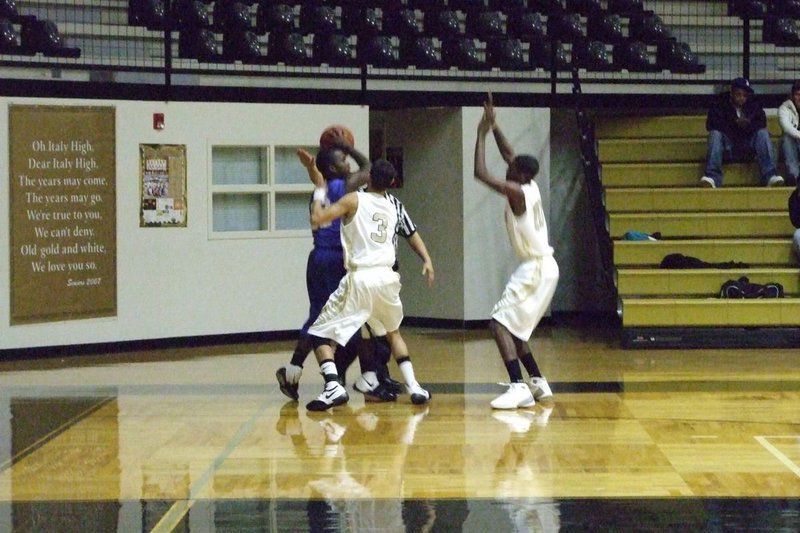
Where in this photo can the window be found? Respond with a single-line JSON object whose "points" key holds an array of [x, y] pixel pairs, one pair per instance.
{"points": [[258, 191]]}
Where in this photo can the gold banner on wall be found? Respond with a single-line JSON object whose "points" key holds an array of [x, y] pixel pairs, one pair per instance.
{"points": [[163, 185], [62, 199]]}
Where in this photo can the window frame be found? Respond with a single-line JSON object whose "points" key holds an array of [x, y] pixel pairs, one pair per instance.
{"points": [[267, 189]]}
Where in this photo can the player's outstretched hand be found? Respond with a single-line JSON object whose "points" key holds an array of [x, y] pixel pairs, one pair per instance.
{"points": [[307, 160]]}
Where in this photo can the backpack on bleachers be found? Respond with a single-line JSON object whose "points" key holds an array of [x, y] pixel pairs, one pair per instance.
{"points": [[742, 288]]}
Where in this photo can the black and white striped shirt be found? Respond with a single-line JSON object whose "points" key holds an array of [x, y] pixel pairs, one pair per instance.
{"points": [[405, 226]]}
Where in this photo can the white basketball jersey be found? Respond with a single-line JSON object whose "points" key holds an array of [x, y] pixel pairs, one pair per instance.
{"points": [[528, 232], [367, 238]]}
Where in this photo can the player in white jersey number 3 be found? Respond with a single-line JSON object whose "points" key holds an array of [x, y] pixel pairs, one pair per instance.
{"points": [[530, 289], [370, 290]]}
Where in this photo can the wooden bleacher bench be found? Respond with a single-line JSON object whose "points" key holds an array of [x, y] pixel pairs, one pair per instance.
{"points": [[650, 167]]}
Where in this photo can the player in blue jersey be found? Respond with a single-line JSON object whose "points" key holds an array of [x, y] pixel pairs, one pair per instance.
{"points": [[325, 267]]}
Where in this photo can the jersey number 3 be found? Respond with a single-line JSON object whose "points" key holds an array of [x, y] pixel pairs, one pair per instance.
{"points": [[381, 234]]}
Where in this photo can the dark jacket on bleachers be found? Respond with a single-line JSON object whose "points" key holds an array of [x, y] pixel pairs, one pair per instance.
{"points": [[722, 117]]}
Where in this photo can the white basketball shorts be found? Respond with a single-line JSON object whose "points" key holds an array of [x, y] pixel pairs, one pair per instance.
{"points": [[369, 294], [527, 295]]}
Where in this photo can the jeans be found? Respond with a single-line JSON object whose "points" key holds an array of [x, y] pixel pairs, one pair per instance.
{"points": [[790, 147], [721, 148]]}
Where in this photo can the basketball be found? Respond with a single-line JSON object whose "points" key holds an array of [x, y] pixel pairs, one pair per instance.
{"points": [[331, 133]]}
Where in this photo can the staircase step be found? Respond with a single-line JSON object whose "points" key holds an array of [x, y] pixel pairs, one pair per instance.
{"points": [[710, 312], [683, 126], [674, 174], [651, 150], [628, 200], [777, 252], [672, 225], [699, 282], [656, 126]]}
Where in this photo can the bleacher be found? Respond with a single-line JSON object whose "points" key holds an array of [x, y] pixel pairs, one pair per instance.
{"points": [[650, 172]]}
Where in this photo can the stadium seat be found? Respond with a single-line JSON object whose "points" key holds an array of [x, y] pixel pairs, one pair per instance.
{"points": [[588, 8], [648, 27], [442, 23], [485, 24], [566, 27], [150, 14], [401, 22], [781, 31], [462, 52], [678, 57], [190, 15], [334, 50], [785, 8], [231, 16], [377, 51], [275, 17], [625, 7], [42, 36], [605, 27], [10, 40], [592, 55], [753, 9], [420, 52], [362, 21], [505, 54], [549, 55], [317, 19], [241, 46], [200, 44], [634, 56], [526, 26], [287, 48]]}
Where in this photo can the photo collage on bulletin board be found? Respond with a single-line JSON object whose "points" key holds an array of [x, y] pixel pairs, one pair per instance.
{"points": [[163, 185]]}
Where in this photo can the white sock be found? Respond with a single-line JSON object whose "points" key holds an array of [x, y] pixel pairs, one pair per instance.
{"points": [[407, 369], [327, 368]]}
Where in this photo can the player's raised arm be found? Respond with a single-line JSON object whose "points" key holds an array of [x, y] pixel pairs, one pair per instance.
{"points": [[506, 150], [307, 160]]}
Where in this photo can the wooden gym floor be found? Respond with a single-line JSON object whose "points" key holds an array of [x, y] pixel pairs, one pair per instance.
{"points": [[201, 439]]}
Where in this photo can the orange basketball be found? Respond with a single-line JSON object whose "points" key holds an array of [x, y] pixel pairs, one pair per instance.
{"points": [[331, 133]]}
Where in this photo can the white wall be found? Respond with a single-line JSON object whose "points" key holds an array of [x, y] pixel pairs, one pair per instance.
{"points": [[176, 282], [432, 193]]}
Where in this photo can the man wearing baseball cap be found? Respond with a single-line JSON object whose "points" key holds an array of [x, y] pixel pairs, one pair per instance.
{"points": [[737, 131], [790, 140]]}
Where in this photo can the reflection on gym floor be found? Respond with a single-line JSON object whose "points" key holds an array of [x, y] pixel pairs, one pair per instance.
{"points": [[201, 439]]}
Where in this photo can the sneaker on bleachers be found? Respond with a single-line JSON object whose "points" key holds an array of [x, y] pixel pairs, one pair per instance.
{"points": [[708, 183], [517, 395], [540, 388], [775, 181], [332, 395]]}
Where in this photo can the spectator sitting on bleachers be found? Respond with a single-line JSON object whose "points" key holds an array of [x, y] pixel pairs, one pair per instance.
{"points": [[737, 130], [790, 140]]}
